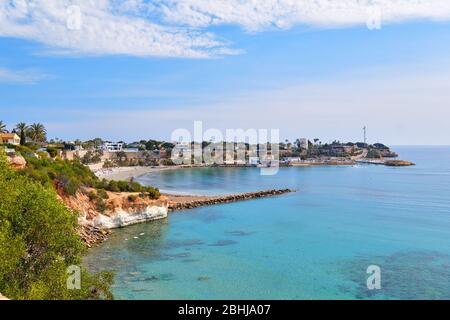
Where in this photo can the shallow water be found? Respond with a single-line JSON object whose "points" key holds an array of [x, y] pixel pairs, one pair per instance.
{"points": [[313, 244]]}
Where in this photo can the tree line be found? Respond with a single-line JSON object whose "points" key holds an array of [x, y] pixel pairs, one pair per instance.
{"points": [[36, 132]]}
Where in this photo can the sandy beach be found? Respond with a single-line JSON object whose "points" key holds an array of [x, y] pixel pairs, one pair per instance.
{"points": [[126, 173]]}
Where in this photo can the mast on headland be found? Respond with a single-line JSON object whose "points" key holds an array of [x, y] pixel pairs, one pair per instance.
{"points": [[365, 137]]}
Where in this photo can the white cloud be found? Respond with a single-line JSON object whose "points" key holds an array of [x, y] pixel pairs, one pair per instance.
{"points": [[177, 28], [257, 15], [102, 30], [21, 76]]}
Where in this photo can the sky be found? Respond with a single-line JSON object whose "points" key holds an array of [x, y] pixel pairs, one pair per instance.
{"points": [[137, 69]]}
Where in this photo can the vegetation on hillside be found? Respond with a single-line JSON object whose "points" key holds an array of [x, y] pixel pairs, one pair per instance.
{"points": [[73, 176], [39, 241], [36, 132]]}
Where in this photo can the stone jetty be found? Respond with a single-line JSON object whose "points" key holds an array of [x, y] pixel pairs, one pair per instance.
{"points": [[191, 202]]}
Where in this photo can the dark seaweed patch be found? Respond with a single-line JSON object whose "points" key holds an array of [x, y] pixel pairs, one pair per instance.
{"points": [[222, 243], [404, 275], [190, 260], [178, 255], [239, 233], [183, 243], [202, 278]]}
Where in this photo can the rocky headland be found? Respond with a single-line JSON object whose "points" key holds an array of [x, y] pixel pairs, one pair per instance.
{"points": [[398, 163]]}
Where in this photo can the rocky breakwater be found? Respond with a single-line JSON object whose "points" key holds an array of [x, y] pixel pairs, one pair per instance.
{"points": [[190, 202]]}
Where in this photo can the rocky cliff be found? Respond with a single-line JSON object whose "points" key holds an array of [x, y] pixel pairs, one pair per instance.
{"points": [[119, 209]]}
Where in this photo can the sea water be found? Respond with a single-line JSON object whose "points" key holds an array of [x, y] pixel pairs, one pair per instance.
{"points": [[316, 243]]}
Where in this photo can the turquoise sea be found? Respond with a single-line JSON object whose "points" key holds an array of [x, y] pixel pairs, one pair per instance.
{"points": [[315, 243]]}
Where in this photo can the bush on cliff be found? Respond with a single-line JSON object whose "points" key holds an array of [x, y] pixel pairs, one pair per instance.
{"points": [[153, 193], [66, 175], [53, 152], [70, 176], [38, 242], [126, 186]]}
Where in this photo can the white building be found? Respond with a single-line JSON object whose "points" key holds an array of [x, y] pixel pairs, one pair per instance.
{"points": [[9, 138], [112, 146], [304, 143], [293, 159]]}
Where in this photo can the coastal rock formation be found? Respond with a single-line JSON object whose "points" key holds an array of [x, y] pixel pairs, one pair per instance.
{"points": [[121, 218], [17, 162], [92, 235], [398, 163], [183, 202], [119, 209]]}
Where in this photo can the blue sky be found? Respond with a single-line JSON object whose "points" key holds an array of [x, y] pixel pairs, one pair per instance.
{"points": [[307, 79]]}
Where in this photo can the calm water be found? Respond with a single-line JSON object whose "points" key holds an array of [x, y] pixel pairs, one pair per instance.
{"points": [[313, 244]]}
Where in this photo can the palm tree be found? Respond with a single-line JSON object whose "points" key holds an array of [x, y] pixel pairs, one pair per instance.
{"points": [[2, 127], [22, 129], [37, 132]]}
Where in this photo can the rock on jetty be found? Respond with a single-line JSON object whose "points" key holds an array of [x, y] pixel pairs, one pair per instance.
{"points": [[92, 235], [193, 202]]}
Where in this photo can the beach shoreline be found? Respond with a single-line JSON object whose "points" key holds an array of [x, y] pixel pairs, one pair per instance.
{"points": [[128, 173]]}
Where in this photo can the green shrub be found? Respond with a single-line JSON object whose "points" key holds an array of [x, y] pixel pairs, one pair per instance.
{"points": [[113, 186], [123, 186], [102, 194], [167, 162], [101, 184], [132, 198], [39, 241], [24, 150], [108, 164], [91, 157], [72, 175], [153, 193], [92, 195], [53, 152], [70, 186], [37, 175], [135, 187], [101, 205], [43, 154]]}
